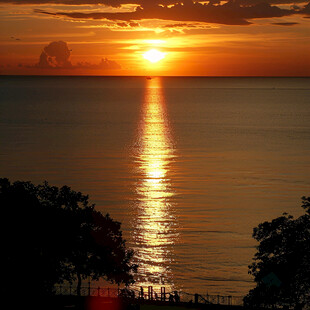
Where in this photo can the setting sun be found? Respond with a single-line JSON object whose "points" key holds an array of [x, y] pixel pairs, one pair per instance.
{"points": [[153, 55]]}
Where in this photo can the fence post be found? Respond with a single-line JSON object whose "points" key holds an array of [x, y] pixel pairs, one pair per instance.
{"points": [[163, 294], [150, 292], [88, 288], [141, 292], [196, 298], [98, 290], [218, 299]]}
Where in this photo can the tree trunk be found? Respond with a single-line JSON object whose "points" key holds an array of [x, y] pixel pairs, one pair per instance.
{"points": [[78, 287]]}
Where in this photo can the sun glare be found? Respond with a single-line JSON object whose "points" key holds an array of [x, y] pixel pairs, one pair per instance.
{"points": [[153, 55]]}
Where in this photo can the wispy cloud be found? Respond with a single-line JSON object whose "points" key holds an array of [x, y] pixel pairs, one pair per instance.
{"points": [[285, 24]]}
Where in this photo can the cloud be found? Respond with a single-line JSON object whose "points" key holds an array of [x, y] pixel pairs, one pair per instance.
{"points": [[105, 64], [112, 3], [229, 13], [128, 24], [232, 12], [182, 27], [122, 24], [143, 3], [285, 24], [306, 9], [134, 24], [56, 55], [254, 2], [179, 25]]}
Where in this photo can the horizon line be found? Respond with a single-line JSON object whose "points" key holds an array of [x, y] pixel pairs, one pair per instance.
{"points": [[156, 76]]}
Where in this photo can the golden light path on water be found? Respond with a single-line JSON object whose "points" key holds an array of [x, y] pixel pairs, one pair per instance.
{"points": [[155, 224]]}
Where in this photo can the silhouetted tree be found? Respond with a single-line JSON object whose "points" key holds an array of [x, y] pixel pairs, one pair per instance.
{"points": [[53, 234], [281, 266]]}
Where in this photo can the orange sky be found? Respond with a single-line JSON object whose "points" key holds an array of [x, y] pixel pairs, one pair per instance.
{"points": [[209, 38]]}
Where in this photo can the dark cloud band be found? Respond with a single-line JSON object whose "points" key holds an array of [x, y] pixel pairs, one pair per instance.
{"points": [[233, 12], [229, 13], [143, 3]]}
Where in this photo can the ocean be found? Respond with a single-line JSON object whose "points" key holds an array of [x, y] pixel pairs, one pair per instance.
{"points": [[188, 165]]}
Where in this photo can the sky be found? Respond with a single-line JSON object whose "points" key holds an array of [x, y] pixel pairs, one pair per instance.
{"points": [[196, 38]]}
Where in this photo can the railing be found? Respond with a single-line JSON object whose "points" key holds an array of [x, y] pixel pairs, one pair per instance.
{"points": [[212, 299], [151, 294], [87, 291]]}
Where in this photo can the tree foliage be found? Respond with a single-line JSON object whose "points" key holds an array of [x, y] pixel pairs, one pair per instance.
{"points": [[281, 266], [52, 234]]}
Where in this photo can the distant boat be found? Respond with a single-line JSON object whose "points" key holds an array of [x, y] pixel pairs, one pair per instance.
{"points": [[148, 78]]}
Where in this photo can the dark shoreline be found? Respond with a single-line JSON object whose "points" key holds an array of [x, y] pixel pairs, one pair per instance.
{"points": [[109, 303]]}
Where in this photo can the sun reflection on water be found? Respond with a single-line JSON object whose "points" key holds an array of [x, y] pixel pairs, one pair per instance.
{"points": [[155, 225]]}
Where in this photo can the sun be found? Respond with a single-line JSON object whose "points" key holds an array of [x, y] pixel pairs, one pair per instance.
{"points": [[153, 55]]}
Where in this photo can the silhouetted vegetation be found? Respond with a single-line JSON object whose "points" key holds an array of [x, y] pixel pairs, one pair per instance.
{"points": [[281, 266], [52, 234]]}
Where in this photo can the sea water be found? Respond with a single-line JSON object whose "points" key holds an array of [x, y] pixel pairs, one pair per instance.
{"points": [[188, 165]]}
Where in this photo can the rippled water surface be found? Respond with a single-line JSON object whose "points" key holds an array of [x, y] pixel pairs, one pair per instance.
{"points": [[188, 165]]}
